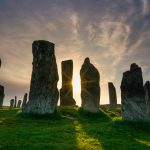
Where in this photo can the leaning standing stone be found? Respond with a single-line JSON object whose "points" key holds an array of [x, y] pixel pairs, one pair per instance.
{"points": [[43, 96], [12, 101], [147, 95], [133, 96], [1, 96], [25, 98], [66, 92], [112, 95], [90, 89]]}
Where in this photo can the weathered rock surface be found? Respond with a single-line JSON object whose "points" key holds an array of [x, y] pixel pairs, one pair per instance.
{"points": [[43, 96], [112, 94], [90, 89], [12, 101], [19, 103], [147, 95], [25, 98], [133, 96], [15, 102], [66, 92], [2, 95]]}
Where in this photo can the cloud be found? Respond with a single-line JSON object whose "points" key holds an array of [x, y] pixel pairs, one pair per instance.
{"points": [[112, 34]]}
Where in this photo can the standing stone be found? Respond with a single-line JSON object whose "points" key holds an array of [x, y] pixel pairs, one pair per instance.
{"points": [[43, 96], [133, 96], [12, 101], [66, 92], [147, 95], [1, 96], [25, 98], [15, 102], [112, 95], [19, 104], [90, 89]]}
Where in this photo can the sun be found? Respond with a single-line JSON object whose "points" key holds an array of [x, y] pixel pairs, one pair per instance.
{"points": [[76, 83]]}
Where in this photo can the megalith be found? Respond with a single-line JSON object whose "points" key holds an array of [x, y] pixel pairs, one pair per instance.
{"points": [[66, 92], [133, 96], [43, 95], [12, 101], [15, 102], [90, 89], [25, 98], [147, 95], [19, 103], [2, 95], [112, 95]]}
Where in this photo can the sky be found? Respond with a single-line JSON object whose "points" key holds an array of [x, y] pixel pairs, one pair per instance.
{"points": [[112, 33]]}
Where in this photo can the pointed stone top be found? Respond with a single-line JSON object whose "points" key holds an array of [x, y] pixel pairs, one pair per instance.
{"points": [[147, 84], [87, 60], [134, 66], [26, 94]]}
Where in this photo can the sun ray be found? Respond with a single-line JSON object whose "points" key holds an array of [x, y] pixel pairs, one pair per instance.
{"points": [[76, 84]]}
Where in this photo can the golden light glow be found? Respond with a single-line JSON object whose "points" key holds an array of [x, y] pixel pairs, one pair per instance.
{"points": [[76, 83]]}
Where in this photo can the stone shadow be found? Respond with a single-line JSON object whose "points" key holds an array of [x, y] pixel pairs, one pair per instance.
{"points": [[35, 132], [117, 135]]}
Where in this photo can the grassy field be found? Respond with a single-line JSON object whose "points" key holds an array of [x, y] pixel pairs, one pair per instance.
{"points": [[71, 129]]}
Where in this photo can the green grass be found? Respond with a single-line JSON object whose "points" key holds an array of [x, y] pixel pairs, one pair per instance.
{"points": [[71, 129]]}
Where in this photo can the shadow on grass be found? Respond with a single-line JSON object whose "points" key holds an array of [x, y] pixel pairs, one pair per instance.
{"points": [[40, 132], [117, 134], [87, 131]]}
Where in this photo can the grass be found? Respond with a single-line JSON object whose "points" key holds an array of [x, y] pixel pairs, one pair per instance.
{"points": [[71, 129]]}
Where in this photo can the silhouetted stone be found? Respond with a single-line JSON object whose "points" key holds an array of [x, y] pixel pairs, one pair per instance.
{"points": [[132, 95], [112, 94], [25, 98], [90, 89], [66, 92], [19, 104], [147, 95], [1, 96], [12, 101], [43, 96], [15, 102]]}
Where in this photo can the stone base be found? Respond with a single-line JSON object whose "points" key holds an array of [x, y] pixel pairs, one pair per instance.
{"points": [[41, 107], [134, 109]]}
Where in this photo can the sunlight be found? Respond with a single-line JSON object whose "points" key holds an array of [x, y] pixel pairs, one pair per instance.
{"points": [[85, 140], [76, 83]]}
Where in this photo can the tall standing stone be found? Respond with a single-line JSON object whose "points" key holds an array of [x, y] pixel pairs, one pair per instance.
{"points": [[12, 101], [112, 94], [132, 95], [19, 103], [25, 98], [90, 89], [66, 92], [15, 102], [147, 95], [43, 96], [1, 96]]}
